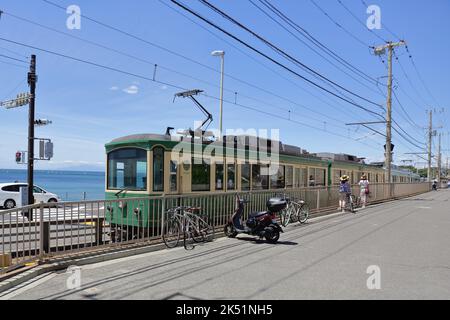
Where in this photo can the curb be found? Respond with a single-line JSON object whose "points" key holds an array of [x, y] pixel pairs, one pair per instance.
{"points": [[64, 264]]}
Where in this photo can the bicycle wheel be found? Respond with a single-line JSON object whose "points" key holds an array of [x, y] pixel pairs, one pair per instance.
{"points": [[188, 238], [285, 217], [352, 204], [202, 231], [303, 213], [171, 233]]}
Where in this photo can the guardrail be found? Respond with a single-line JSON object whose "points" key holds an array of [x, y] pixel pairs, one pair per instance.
{"points": [[70, 228]]}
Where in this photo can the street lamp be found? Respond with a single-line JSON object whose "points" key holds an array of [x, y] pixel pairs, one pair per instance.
{"points": [[221, 54]]}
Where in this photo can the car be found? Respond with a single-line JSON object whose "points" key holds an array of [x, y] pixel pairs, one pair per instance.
{"points": [[10, 195]]}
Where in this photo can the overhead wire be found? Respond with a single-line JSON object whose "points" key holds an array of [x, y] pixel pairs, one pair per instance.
{"points": [[316, 43], [128, 73], [280, 51], [273, 60], [169, 69]]}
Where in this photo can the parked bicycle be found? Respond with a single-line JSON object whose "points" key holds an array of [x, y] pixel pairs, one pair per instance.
{"points": [[186, 221], [296, 211]]}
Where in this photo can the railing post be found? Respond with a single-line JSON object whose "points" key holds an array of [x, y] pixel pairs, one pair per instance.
{"points": [[318, 200], [41, 229], [99, 231], [44, 230], [163, 209]]}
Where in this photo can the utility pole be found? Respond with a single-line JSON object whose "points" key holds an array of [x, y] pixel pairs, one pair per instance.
{"points": [[446, 171], [430, 137], [388, 155], [439, 160], [32, 79]]}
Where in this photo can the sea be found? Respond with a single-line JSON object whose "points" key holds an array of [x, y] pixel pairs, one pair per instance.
{"points": [[69, 185]]}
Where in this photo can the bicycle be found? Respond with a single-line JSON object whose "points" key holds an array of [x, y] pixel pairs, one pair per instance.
{"points": [[187, 221], [296, 211], [353, 202]]}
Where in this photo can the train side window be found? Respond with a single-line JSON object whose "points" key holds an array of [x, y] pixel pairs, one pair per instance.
{"points": [[173, 176], [158, 169], [219, 176], [289, 177], [231, 176], [245, 176], [260, 180], [201, 175], [297, 178], [277, 181], [304, 179], [320, 177]]}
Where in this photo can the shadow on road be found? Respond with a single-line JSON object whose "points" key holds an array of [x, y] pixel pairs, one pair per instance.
{"points": [[260, 241]]}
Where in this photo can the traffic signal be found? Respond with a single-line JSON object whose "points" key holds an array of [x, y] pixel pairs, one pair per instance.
{"points": [[18, 157], [392, 147], [48, 150], [22, 99]]}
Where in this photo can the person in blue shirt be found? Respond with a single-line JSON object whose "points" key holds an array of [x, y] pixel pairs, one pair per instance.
{"points": [[344, 192]]}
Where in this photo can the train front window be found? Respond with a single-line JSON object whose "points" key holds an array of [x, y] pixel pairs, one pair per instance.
{"points": [[127, 169]]}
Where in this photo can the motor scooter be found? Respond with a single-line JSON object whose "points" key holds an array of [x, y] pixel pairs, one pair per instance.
{"points": [[261, 224]]}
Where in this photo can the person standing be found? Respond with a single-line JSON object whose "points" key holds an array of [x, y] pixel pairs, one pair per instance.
{"points": [[364, 190], [344, 192]]}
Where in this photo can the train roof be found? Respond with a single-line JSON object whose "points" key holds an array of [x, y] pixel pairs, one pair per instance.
{"points": [[242, 141]]}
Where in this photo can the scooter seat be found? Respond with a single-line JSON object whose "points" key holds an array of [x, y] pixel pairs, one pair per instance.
{"points": [[257, 214]]}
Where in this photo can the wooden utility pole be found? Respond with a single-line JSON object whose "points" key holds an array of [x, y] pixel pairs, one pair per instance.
{"points": [[32, 79], [430, 138], [439, 160], [388, 152]]}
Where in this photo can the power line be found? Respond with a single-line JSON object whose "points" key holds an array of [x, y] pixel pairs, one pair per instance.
{"points": [[409, 119], [14, 52], [366, 45], [163, 67], [109, 68], [304, 33], [13, 64], [407, 134], [408, 79], [420, 76], [359, 21], [192, 60], [384, 24], [273, 60], [12, 58], [279, 51]]}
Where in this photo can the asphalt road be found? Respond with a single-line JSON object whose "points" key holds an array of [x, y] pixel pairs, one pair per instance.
{"points": [[408, 240]]}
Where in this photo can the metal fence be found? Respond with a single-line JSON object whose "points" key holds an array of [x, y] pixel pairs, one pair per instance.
{"points": [[43, 231]]}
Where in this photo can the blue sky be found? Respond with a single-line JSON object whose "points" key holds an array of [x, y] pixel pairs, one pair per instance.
{"points": [[91, 106]]}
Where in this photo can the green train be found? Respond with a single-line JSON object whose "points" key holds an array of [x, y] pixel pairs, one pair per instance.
{"points": [[149, 165]]}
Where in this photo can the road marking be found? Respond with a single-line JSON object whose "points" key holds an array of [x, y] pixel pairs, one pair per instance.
{"points": [[22, 288], [424, 208]]}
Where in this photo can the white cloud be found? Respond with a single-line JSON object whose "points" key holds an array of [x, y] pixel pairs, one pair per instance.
{"points": [[114, 88], [164, 87], [133, 89]]}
